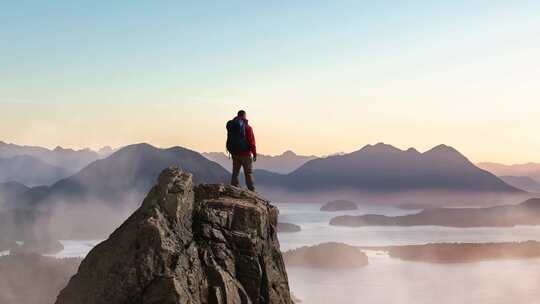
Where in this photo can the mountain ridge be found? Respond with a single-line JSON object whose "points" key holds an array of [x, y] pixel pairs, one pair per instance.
{"points": [[70, 159], [384, 167], [30, 171], [282, 163], [522, 182], [91, 202], [131, 168], [529, 169]]}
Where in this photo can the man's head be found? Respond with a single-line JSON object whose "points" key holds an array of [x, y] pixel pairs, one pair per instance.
{"points": [[242, 114]]}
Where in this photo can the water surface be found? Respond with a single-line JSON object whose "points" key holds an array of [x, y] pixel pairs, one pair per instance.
{"points": [[392, 281]]}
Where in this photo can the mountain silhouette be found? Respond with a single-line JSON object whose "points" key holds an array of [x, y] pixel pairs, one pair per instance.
{"points": [[382, 167], [30, 171], [522, 182], [531, 170], [72, 160], [284, 163], [129, 171]]}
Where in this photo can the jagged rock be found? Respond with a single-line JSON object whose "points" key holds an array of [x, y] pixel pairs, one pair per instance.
{"points": [[210, 244]]}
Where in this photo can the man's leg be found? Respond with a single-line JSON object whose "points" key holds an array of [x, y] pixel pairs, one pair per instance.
{"points": [[247, 164], [236, 164]]}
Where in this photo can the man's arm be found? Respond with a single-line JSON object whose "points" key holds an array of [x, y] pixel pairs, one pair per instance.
{"points": [[251, 141]]}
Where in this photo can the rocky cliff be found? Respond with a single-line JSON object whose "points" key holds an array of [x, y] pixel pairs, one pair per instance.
{"points": [[187, 244]]}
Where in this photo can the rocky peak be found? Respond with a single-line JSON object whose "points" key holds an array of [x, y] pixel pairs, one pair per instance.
{"points": [[380, 148], [446, 153], [288, 153], [210, 243]]}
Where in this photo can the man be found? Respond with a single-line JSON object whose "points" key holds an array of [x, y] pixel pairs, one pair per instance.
{"points": [[241, 145]]}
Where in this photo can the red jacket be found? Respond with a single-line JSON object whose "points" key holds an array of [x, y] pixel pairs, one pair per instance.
{"points": [[250, 138]]}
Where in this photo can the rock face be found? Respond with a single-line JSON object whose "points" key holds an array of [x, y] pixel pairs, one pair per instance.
{"points": [[211, 244]]}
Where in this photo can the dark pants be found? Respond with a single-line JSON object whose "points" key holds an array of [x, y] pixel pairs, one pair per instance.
{"points": [[242, 162]]}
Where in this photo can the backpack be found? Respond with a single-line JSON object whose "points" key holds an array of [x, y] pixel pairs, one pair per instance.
{"points": [[236, 137]]}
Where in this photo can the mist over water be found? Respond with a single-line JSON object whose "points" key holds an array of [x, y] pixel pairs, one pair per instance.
{"points": [[316, 229], [67, 219], [391, 281], [159, 81], [76, 248], [387, 280]]}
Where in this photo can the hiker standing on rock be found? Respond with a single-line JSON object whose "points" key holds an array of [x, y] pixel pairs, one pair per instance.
{"points": [[241, 145]]}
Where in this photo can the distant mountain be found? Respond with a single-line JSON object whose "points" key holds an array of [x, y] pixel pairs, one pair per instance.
{"points": [[128, 172], [283, 163], [531, 170], [91, 203], [106, 151], [385, 168], [522, 182], [72, 160], [30, 171]]}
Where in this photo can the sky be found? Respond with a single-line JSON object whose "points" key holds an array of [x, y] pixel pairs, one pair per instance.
{"points": [[315, 77]]}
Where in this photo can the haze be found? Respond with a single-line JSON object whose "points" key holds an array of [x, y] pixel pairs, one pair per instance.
{"points": [[338, 75]]}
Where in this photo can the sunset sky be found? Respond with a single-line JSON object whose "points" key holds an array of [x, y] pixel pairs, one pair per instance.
{"points": [[316, 77]]}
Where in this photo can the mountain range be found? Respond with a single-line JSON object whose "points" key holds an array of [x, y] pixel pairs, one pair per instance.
{"points": [[70, 159], [30, 171], [284, 163], [376, 168], [531, 170], [129, 171], [90, 203], [384, 168], [522, 182], [115, 182]]}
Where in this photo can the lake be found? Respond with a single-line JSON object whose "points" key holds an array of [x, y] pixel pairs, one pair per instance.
{"points": [[389, 281], [315, 229]]}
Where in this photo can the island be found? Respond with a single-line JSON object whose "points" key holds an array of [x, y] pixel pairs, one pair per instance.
{"points": [[326, 255], [462, 252], [526, 213], [339, 205], [288, 228]]}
